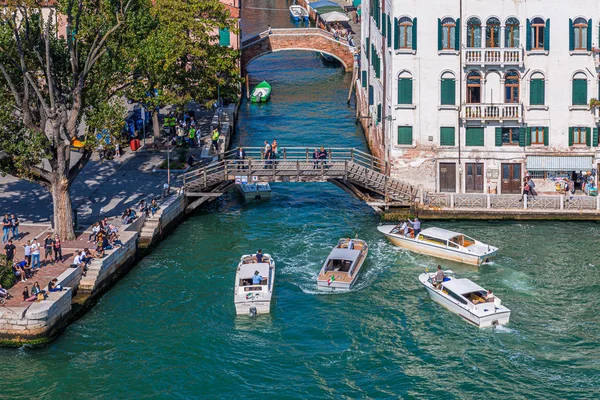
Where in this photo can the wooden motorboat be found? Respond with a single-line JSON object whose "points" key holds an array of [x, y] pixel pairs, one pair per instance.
{"points": [[255, 191], [261, 93], [467, 299], [343, 264], [298, 13], [249, 298], [442, 243]]}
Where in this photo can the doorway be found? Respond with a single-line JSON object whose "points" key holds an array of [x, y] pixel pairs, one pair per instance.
{"points": [[511, 179], [447, 177], [474, 178]]}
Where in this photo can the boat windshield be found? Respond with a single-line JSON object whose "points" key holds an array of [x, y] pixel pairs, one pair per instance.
{"points": [[432, 240], [338, 265]]}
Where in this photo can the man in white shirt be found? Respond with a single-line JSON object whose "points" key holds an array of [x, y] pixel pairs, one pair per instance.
{"points": [[35, 255], [27, 250]]}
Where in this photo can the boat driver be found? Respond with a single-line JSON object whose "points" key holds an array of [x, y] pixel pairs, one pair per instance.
{"points": [[439, 276], [257, 278]]}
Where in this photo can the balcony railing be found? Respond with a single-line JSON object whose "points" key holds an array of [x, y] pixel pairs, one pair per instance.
{"points": [[493, 112], [497, 56]]}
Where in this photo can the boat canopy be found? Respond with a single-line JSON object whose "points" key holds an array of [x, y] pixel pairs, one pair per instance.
{"points": [[462, 286], [335, 16], [440, 233], [344, 254], [247, 270]]}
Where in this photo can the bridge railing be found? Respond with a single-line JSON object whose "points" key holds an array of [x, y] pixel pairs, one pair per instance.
{"points": [[292, 32]]}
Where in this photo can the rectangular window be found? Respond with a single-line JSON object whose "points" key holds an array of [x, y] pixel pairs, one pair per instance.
{"points": [[405, 91], [538, 135], [371, 95], [405, 135], [537, 94], [379, 112], [578, 135], [474, 136], [580, 92], [448, 35], [447, 137], [224, 37], [448, 91], [510, 136], [364, 79]]}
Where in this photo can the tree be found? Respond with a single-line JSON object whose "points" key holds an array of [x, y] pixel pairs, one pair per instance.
{"points": [[176, 58]]}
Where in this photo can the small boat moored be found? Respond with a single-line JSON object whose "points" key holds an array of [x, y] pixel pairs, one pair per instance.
{"points": [[251, 298], [467, 299], [343, 264], [255, 191], [442, 243], [298, 13], [261, 93]]}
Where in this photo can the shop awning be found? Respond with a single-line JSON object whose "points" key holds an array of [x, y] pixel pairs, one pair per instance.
{"points": [[559, 163]]}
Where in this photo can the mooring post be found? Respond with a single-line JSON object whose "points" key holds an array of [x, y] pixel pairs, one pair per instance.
{"points": [[247, 86]]}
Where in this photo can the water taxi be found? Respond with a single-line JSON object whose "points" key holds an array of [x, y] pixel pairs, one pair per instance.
{"points": [[261, 93], [298, 13], [467, 299], [442, 243], [343, 264], [252, 298], [255, 191]]}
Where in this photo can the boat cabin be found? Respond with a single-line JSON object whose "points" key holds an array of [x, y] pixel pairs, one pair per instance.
{"points": [[445, 238], [246, 272], [342, 260], [465, 292]]}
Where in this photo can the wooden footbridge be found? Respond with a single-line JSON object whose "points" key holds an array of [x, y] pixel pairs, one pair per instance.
{"points": [[360, 174]]}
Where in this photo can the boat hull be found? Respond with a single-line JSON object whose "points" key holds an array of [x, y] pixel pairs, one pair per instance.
{"points": [[438, 251], [262, 307]]}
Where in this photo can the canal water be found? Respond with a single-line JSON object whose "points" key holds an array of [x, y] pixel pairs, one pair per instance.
{"points": [[169, 330]]}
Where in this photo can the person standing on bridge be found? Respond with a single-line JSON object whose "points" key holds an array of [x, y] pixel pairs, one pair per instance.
{"points": [[315, 158]]}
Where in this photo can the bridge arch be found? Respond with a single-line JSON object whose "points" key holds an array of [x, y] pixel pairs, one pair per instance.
{"points": [[303, 39]]}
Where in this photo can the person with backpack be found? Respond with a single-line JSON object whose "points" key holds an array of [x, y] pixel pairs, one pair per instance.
{"points": [[531, 184]]}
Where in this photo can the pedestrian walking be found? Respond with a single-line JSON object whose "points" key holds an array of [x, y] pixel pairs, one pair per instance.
{"points": [[531, 184], [6, 226], [117, 150], [274, 150], [15, 227], [571, 188]]}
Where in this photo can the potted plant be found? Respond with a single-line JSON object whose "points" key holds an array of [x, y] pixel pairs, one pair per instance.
{"points": [[594, 102]]}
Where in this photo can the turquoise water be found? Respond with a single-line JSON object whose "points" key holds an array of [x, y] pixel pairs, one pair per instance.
{"points": [[169, 330]]}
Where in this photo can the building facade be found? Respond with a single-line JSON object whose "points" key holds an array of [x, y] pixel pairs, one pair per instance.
{"points": [[469, 96]]}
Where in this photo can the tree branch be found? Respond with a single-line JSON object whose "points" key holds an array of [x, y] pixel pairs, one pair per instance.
{"points": [[76, 169]]}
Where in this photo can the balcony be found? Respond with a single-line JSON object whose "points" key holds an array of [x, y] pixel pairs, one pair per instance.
{"points": [[596, 54], [493, 112], [497, 57]]}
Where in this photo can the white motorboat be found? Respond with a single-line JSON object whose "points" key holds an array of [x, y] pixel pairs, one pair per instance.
{"points": [[252, 298], [467, 299], [298, 13], [255, 191], [343, 264], [442, 243]]}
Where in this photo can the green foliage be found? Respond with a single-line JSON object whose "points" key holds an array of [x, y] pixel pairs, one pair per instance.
{"points": [[7, 277]]}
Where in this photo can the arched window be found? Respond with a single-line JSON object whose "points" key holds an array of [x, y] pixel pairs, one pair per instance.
{"points": [[511, 33], [406, 33], [537, 89], [511, 87], [405, 88], [538, 30], [448, 89], [580, 89], [474, 32], [448, 34], [492, 32], [580, 28], [474, 87]]}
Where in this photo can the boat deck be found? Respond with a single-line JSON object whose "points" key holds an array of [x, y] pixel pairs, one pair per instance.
{"points": [[338, 275]]}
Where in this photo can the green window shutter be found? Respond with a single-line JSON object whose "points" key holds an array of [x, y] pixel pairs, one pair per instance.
{"points": [[457, 35], [475, 137], [447, 136], [405, 135], [367, 46], [396, 34], [405, 91], [589, 35], [523, 137], [364, 79], [371, 95], [414, 34], [588, 137], [448, 91], [547, 36], [499, 137], [383, 25], [440, 33], [579, 92], [571, 35], [528, 136], [390, 29], [537, 93], [595, 137], [224, 37], [528, 37], [570, 136], [546, 136]]}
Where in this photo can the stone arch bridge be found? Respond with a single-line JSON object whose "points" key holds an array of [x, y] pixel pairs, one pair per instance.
{"points": [[309, 39]]}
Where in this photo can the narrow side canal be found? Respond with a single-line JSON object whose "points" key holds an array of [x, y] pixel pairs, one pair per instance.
{"points": [[169, 329]]}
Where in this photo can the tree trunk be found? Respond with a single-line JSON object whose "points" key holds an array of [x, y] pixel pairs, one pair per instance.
{"points": [[155, 125], [63, 214]]}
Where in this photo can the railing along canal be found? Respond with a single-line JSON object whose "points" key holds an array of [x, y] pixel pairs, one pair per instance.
{"points": [[455, 201]]}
